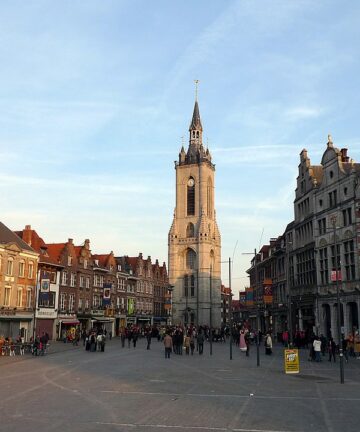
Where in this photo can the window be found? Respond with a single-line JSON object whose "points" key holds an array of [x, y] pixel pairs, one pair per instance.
{"points": [[87, 283], [190, 259], [80, 303], [19, 297], [70, 260], [64, 278], [10, 266], [29, 298], [7, 296], [322, 226], [186, 286], [324, 269], [47, 300], [62, 301], [85, 263], [31, 270], [71, 302], [192, 285], [81, 281], [191, 197], [209, 198], [347, 216], [87, 304], [72, 279], [53, 277], [349, 260], [337, 265], [332, 198], [190, 230], [21, 269]]}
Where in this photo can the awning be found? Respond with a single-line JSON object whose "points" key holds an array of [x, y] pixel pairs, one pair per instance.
{"points": [[69, 322], [102, 320]]}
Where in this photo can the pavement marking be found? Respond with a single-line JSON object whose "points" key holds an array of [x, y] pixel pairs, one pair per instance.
{"points": [[157, 381], [183, 427], [212, 395]]}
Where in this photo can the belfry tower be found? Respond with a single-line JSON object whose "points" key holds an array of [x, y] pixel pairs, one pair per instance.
{"points": [[194, 238]]}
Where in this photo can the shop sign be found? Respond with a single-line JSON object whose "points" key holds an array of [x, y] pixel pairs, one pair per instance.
{"points": [[291, 357]]}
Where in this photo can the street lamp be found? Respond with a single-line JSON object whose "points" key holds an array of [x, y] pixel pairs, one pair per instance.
{"points": [[289, 306], [341, 355]]}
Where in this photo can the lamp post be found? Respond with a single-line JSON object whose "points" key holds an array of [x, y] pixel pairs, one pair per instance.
{"points": [[230, 309], [338, 308], [288, 289]]}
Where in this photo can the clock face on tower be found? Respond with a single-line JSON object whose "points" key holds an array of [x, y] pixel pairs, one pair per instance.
{"points": [[191, 182]]}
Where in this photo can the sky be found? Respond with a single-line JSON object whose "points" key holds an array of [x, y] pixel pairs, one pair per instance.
{"points": [[96, 96]]}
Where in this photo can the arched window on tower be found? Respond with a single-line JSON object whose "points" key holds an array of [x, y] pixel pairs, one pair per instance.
{"points": [[190, 259], [212, 259], [209, 198], [191, 197], [190, 230]]}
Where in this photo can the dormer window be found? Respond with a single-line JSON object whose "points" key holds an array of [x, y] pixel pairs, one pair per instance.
{"points": [[69, 260]]}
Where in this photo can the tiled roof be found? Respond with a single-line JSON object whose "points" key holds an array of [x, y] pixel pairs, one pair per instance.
{"points": [[102, 258], [54, 250], [8, 236]]}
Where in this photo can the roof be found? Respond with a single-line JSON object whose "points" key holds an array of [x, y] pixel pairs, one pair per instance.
{"points": [[54, 250], [8, 236], [102, 258], [32, 238], [196, 121]]}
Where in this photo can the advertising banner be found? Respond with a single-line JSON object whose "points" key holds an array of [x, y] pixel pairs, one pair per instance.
{"points": [[107, 294], [291, 357], [268, 295], [249, 296], [130, 306], [45, 285]]}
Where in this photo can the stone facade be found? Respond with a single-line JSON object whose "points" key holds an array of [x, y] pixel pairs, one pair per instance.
{"points": [[194, 240], [18, 271]]}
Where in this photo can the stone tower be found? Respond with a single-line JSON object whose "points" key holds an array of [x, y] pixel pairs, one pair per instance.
{"points": [[194, 238]]}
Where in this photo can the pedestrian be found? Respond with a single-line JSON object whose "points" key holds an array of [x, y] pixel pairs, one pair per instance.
{"points": [[148, 339], [99, 341], [122, 337], [317, 349], [200, 341], [192, 343], [332, 349], [247, 342], [323, 341], [357, 345], [187, 344], [168, 344], [92, 342], [129, 337], [268, 344], [102, 342], [345, 348], [110, 335], [134, 338]]}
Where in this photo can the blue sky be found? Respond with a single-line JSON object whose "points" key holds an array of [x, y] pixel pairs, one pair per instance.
{"points": [[95, 97]]}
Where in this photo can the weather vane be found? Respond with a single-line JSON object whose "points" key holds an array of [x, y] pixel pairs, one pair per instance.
{"points": [[196, 88]]}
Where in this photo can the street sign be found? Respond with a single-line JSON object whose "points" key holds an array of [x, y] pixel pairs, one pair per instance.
{"points": [[291, 357]]}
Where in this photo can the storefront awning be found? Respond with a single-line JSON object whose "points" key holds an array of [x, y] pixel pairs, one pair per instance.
{"points": [[70, 322], [102, 320]]}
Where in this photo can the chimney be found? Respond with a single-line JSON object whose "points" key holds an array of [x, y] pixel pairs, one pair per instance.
{"points": [[87, 244], [344, 156], [149, 258], [140, 255], [27, 234], [70, 241]]}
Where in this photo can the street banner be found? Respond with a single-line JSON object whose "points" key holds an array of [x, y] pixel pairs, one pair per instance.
{"points": [[291, 357], [107, 292], [335, 275], [249, 296], [268, 294], [130, 306]]}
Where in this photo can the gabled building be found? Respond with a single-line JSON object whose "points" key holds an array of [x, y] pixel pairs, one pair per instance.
{"points": [[18, 270], [47, 286]]}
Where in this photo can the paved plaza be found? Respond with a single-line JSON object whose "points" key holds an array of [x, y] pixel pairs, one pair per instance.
{"points": [[138, 390]]}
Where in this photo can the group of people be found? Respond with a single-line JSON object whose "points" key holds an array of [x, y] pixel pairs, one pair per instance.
{"points": [[94, 340], [321, 345]]}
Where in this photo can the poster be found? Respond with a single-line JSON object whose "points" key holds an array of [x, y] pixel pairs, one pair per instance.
{"points": [[291, 357]]}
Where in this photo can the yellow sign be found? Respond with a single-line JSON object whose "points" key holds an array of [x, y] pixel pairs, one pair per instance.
{"points": [[292, 365]]}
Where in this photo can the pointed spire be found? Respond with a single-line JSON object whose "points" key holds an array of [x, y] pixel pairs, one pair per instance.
{"points": [[196, 122]]}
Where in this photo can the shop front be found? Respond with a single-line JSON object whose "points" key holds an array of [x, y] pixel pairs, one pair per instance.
{"points": [[143, 320], [102, 324], [68, 327], [120, 322], [45, 322], [85, 322], [13, 325]]}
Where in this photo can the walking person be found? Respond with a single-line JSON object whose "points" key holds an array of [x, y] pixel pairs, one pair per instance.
{"points": [[148, 339], [247, 342], [168, 344], [332, 349], [129, 336], [122, 337], [192, 343], [134, 338], [357, 345], [187, 344], [200, 341], [268, 344], [317, 349]]}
